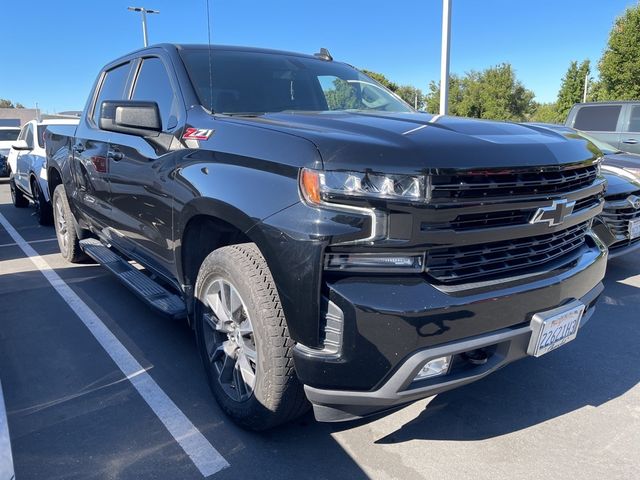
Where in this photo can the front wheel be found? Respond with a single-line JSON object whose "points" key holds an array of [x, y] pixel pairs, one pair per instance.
{"points": [[17, 197], [64, 224], [44, 212], [244, 341]]}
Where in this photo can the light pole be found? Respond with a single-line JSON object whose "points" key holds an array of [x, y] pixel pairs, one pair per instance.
{"points": [[144, 12], [444, 58]]}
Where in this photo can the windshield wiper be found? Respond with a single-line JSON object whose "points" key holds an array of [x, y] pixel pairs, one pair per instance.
{"points": [[242, 114]]}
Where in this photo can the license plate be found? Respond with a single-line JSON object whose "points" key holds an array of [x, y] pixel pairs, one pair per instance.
{"points": [[634, 228], [554, 328]]}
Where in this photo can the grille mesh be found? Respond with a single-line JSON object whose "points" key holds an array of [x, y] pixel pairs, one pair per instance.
{"points": [[474, 262]]}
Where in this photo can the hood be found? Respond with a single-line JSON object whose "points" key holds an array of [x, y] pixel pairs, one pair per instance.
{"points": [[619, 182], [415, 142], [622, 160]]}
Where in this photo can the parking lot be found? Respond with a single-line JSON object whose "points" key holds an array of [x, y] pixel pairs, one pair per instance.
{"points": [[74, 412]]}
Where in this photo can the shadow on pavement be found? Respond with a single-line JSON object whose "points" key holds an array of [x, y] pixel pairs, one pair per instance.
{"points": [[600, 365]]}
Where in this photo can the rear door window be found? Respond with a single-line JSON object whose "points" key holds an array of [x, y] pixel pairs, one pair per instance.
{"points": [[598, 118], [112, 88], [634, 119]]}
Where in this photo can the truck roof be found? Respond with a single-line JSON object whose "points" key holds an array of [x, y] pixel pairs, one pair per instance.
{"points": [[203, 46]]}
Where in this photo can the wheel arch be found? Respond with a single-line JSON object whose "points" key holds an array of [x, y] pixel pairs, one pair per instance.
{"points": [[54, 178], [204, 226]]}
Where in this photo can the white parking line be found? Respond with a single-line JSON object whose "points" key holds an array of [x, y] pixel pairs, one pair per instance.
{"points": [[6, 459], [204, 456], [32, 241]]}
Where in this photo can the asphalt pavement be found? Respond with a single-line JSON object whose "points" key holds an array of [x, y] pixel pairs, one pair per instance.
{"points": [[75, 411]]}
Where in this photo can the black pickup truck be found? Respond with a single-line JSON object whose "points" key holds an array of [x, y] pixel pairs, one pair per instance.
{"points": [[329, 245]]}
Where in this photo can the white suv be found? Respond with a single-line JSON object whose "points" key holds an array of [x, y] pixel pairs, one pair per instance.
{"points": [[28, 169], [8, 136]]}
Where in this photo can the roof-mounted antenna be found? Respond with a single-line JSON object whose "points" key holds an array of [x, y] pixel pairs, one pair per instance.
{"points": [[210, 60], [324, 55]]}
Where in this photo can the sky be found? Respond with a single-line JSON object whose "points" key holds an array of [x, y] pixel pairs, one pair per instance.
{"points": [[52, 50]]}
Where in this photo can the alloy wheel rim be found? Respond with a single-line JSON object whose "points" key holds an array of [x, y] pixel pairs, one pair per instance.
{"points": [[229, 340], [61, 226]]}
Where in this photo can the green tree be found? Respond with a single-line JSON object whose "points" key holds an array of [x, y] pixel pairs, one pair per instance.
{"points": [[4, 103], [493, 93], [342, 96], [620, 63], [572, 87], [381, 79], [407, 93], [546, 113], [412, 95]]}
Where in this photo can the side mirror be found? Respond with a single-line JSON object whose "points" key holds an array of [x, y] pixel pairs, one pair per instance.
{"points": [[21, 145], [131, 116]]}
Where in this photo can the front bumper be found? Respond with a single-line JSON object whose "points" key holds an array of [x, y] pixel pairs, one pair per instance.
{"points": [[506, 346], [391, 326]]}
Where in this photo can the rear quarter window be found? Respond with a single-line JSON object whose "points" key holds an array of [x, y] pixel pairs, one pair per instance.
{"points": [[598, 118]]}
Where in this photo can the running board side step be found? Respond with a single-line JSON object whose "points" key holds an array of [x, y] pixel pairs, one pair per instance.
{"points": [[149, 291]]}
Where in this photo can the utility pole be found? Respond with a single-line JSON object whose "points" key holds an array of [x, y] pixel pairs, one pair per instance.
{"points": [[586, 88], [444, 58], [144, 11]]}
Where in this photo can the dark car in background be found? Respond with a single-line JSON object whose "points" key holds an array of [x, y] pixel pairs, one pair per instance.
{"points": [[618, 226]]}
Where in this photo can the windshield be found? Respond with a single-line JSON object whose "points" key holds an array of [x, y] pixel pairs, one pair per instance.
{"points": [[604, 147], [9, 134], [255, 83]]}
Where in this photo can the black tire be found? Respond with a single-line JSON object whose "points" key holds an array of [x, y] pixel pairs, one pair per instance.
{"points": [[277, 396], [44, 212], [64, 224], [17, 197]]}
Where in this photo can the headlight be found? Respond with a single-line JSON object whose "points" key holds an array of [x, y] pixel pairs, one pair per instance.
{"points": [[318, 186]]}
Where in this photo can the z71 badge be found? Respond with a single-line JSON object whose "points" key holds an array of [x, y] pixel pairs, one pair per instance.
{"points": [[197, 134]]}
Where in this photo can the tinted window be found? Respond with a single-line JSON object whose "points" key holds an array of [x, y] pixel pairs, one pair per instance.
{"points": [[112, 87], [7, 135], [153, 85], [634, 119], [29, 136], [256, 82], [598, 118]]}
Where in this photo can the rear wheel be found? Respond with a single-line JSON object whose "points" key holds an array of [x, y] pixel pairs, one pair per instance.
{"points": [[17, 197], [44, 212], [244, 341], [64, 224]]}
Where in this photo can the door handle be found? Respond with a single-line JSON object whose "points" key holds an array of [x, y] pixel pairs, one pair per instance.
{"points": [[115, 155], [630, 141]]}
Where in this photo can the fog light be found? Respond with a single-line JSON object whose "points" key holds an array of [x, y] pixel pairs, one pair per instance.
{"points": [[434, 368]]}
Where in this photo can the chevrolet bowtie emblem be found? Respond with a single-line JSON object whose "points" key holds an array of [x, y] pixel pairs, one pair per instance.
{"points": [[554, 214], [634, 201]]}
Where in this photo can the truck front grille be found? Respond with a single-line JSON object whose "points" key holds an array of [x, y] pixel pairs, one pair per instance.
{"points": [[510, 257], [617, 215], [506, 184]]}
